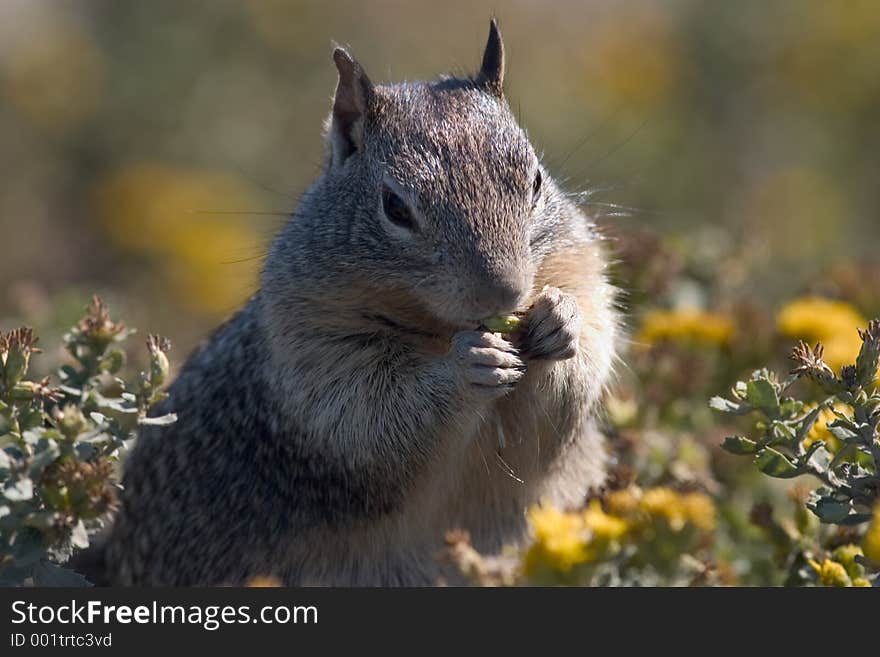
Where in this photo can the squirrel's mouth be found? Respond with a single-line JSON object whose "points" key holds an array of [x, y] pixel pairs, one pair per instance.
{"points": [[406, 326]]}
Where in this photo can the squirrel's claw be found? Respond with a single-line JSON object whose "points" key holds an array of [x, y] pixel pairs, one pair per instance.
{"points": [[485, 363], [553, 327]]}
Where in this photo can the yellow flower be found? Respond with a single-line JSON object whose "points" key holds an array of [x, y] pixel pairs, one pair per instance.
{"points": [[603, 527], [622, 502], [679, 509], [846, 556], [861, 582], [565, 540], [833, 323], [871, 540], [699, 510], [820, 430], [664, 503], [688, 325], [559, 539], [831, 573], [171, 214]]}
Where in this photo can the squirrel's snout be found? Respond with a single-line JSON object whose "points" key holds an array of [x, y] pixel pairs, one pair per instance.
{"points": [[499, 296]]}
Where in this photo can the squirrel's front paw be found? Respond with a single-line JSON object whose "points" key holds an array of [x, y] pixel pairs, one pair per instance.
{"points": [[486, 363], [552, 327]]}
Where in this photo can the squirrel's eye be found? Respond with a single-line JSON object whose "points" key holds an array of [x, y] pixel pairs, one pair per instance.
{"points": [[397, 210], [536, 186]]}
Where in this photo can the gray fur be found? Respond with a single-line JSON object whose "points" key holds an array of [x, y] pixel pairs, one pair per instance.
{"points": [[352, 412]]}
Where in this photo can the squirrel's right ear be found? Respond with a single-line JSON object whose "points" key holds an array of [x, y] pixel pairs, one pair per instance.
{"points": [[491, 75], [354, 92]]}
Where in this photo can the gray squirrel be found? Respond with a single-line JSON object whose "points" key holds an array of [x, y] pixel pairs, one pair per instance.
{"points": [[356, 409]]}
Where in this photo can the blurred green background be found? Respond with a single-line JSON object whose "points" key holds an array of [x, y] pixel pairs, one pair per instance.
{"points": [[149, 150]]}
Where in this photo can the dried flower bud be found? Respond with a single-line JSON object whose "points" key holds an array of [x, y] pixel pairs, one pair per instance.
{"points": [[84, 488], [18, 347], [97, 323], [113, 361], [159, 367], [70, 420], [94, 332], [849, 376], [869, 354], [811, 363]]}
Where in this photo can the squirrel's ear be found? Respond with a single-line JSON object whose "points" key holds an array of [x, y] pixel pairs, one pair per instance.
{"points": [[491, 75], [354, 92]]}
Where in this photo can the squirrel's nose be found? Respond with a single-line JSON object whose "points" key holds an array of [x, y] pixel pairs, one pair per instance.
{"points": [[500, 296]]}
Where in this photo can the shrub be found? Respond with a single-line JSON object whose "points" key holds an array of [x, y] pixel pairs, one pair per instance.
{"points": [[836, 441], [60, 442]]}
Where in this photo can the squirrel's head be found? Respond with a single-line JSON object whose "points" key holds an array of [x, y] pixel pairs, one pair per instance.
{"points": [[434, 190]]}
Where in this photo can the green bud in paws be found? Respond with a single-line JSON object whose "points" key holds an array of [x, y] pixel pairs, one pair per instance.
{"points": [[502, 324]]}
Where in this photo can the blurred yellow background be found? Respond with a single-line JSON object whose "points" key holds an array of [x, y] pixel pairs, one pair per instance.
{"points": [[149, 150]]}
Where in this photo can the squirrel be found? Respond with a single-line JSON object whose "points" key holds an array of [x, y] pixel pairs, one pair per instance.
{"points": [[356, 408]]}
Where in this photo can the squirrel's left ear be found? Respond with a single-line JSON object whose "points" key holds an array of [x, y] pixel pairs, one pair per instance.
{"points": [[354, 93], [491, 75]]}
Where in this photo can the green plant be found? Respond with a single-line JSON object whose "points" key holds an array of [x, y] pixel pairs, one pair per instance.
{"points": [[844, 460], [59, 443]]}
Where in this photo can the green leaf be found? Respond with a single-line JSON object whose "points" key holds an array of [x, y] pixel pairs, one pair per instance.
{"points": [[41, 520], [19, 491], [46, 573], [789, 407], [807, 423], [761, 394], [829, 510], [781, 433], [79, 537], [722, 404], [161, 421], [727, 406], [841, 432], [856, 519], [776, 464], [14, 575], [46, 451], [739, 445]]}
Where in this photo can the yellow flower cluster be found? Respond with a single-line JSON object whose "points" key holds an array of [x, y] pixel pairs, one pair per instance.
{"points": [[831, 573], [172, 214], [833, 323], [687, 325], [564, 540], [820, 430], [842, 569], [871, 540], [679, 509]]}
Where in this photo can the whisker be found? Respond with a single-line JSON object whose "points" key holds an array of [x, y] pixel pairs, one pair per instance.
{"points": [[617, 147], [253, 212], [264, 186], [259, 256], [483, 458], [506, 469], [592, 133]]}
